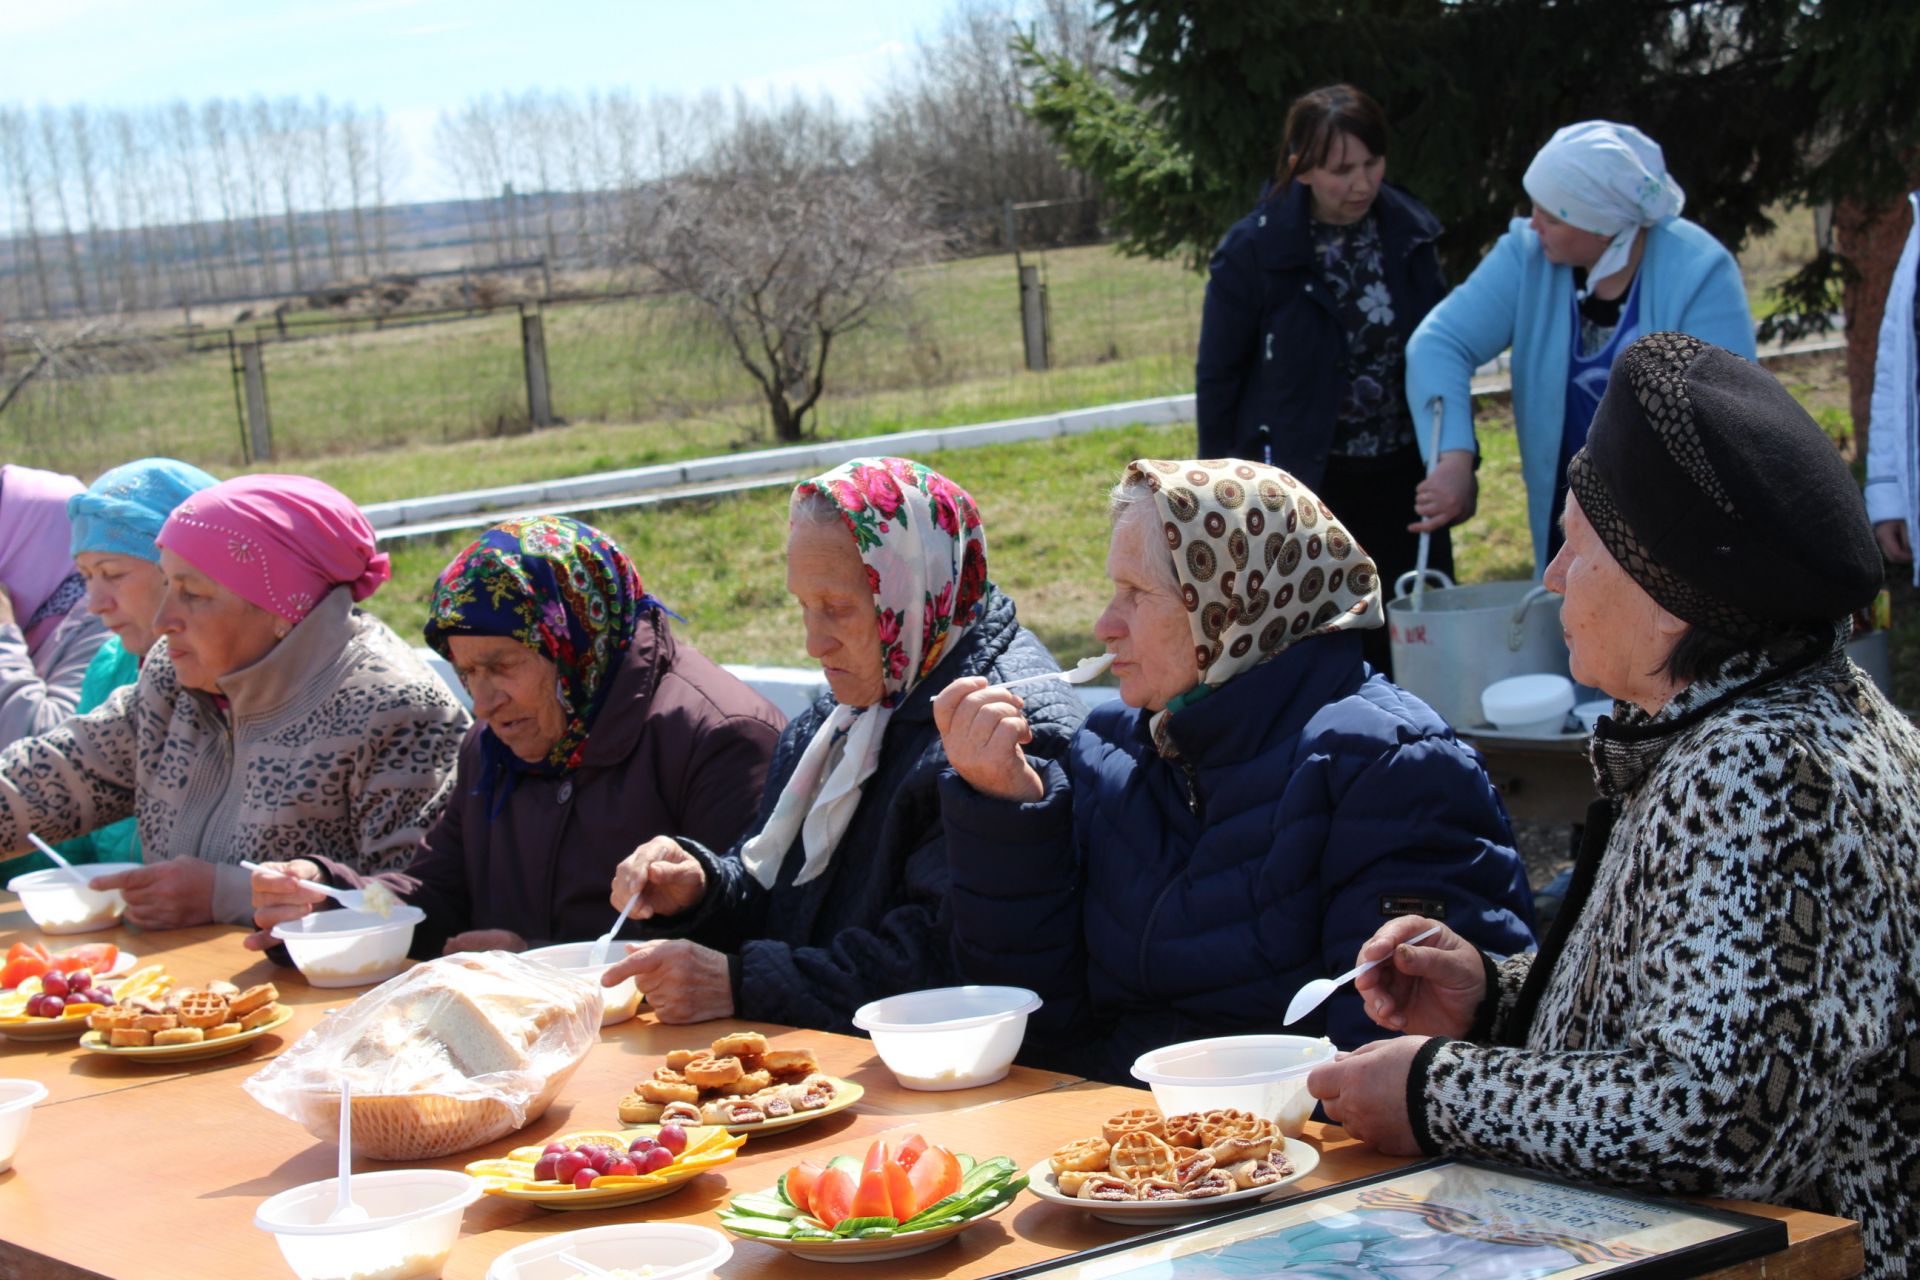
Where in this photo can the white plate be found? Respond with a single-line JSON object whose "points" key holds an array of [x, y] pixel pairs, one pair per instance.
{"points": [[1133, 1213]]}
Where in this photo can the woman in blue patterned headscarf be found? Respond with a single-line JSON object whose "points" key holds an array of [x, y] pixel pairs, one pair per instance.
{"points": [[599, 728]]}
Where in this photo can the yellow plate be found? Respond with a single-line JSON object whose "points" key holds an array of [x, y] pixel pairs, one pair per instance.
{"points": [[44, 1028], [96, 1042], [708, 1147]]}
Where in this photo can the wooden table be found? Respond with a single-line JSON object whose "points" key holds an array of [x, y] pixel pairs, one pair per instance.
{"points": [[167, 1165]]}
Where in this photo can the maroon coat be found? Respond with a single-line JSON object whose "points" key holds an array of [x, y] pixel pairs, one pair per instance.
{"points": [[680, 747]]}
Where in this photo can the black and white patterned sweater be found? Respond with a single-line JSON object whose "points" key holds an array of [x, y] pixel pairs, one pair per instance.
{"points": [[1730, 1003]]}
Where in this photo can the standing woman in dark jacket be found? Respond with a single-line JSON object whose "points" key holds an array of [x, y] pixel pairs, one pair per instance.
{"points": [[1245, 820], [1311, 300], [839, 896], [597, 728]]}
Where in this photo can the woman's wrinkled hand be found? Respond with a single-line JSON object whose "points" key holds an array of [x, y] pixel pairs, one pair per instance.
{"points": [[683, 981], [165, 895], [1366, 1092], [983, 727], [663, 877], [1432, 989], [282, 891], [1449, 495]]}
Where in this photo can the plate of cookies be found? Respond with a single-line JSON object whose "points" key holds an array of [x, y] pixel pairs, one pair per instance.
{"points": [[1145, 1168], [739, 1083], [186, 1023]]}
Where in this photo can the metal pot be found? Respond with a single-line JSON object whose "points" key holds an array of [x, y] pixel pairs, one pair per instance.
{"points": [[1462, 639]]}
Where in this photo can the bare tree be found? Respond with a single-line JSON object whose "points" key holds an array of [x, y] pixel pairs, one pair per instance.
{"points": [[389, 166], [53, 148], [325, 177], [784, 257], [18, 160], [86, 163]]}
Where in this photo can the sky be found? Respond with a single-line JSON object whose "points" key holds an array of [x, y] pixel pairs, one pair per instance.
{"points": [[418, 57]]}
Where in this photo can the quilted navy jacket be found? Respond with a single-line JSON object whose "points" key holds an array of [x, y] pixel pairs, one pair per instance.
{"points": [[875, 923], [1152, 902]]}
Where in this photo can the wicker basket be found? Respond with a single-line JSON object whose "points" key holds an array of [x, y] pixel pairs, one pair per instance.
{"points": [[423, 1126]]}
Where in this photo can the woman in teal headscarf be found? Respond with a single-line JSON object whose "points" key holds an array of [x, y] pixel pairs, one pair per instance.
{"points": [[113, 526]]}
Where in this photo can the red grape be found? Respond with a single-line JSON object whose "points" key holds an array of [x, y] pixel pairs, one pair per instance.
{"points": [[545, 1169], [673, 1138], [584, 1179], [79, 979], [555, 1149], [641, 1144], [622, 1169], [656, 1160], [569, 1166], [54, 983]]}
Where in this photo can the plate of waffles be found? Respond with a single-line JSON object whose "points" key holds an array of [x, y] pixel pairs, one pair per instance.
{"points": [[192, 1024], [739, 1083]]}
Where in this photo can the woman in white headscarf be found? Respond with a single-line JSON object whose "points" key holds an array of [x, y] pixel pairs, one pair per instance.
{"points": [[1605, 258], [837, 895]]}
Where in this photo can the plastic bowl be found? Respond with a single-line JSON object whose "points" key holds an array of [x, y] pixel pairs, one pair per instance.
{"points": [[350, 948], [413, 1220], [951, 1037], [674, 1250], [1266, 1075], [17, 1100], [619, 1002], [59, 905], [1528, 704]]}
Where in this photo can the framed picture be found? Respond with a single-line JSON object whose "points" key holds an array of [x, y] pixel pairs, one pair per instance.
{"points": [[1442, 1220]]}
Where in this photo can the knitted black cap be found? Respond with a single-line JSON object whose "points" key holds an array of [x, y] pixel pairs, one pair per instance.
{"points": [[1719, 495]]}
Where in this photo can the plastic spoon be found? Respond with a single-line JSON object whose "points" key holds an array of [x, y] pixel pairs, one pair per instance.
{"points": [[79, 877], [1308, 998], [351, 899], [604, 943], [344, 1209], [1084, 670], [1426, 539], [584, 1267]]}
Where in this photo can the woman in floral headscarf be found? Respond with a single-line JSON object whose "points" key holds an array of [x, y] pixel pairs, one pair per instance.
{"points": [[597, 728], [1246, 819], [838, 896]]}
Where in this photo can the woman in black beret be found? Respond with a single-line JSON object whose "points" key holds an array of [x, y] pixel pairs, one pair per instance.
{"points": [[1729, 1002]]}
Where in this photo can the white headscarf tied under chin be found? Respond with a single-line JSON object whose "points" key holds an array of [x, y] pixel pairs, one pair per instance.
{"points": [[1610, 179]]}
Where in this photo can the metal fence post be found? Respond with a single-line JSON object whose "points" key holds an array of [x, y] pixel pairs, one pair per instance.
{"points": [[1033, 319], [259, 422], [533, 349]]}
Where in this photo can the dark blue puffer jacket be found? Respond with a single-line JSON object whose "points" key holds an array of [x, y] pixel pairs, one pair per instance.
{"points": [[1151, 902], [875, 922]]}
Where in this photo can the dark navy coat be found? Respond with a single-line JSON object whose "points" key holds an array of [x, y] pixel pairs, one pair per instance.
{"points": [[874, 923], [1273, 348], [1151, 902]]}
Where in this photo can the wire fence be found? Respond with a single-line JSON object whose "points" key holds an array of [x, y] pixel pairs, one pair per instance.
{"points": [[339, 383]]}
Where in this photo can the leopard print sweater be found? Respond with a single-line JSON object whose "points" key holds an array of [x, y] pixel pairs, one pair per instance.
{"points": [[1733, 1006], [339, 742]]}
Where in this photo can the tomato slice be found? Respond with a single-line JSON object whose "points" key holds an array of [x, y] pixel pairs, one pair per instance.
{"points": [[910, 1151], [22, 949], [900, 1191], [19, 970], [800, 1182], [832, 1196], [871, 1198], [94, 957], [935, 1176]]}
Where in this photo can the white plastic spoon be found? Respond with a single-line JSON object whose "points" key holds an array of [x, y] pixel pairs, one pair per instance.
{"points": [[376, 898], [344, 1209], [79, 877], [604, 943], [1308, 998], [1084, 670], [584, 1267]]}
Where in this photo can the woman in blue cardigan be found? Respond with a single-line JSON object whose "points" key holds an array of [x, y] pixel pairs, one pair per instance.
{"points": [[1255, 810], [1604, 259], [1310, 302]]}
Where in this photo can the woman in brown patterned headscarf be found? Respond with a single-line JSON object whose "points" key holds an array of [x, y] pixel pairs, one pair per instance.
{"points": [[1198, 857]]}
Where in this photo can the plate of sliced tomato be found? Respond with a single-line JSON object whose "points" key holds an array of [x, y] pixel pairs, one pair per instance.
{"points": [[897, 1201], [35, 960]]}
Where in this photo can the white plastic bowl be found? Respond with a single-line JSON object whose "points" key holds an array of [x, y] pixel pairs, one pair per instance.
{"points": [[950, 1037], [675, 1251], [350, 948], [620, 1001], [1590, 712], [1528, 704], [413, 1221], [17, 1101], [1266, 1075], [58, 904]]}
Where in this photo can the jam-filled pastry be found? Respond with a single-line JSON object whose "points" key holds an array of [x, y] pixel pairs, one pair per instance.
{"points": [[1070, 1180], [1234, 1148], [1134, 1120], [1216, 1183], [1083, 1155], [680, 1113], [776, 1107], [1197, 1165], [1253, 1173], [1140, 1155], [1104, 1186], [1157, 1189]]}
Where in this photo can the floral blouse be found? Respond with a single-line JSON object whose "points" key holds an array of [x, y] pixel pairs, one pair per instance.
{"points": [[1373, 418]]}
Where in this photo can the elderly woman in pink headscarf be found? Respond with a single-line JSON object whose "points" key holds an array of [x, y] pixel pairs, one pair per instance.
{"points": [[272, 719], [47, 637]]}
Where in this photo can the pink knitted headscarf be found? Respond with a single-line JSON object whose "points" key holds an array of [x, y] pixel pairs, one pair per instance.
{"points": [[33, 541], [281, 542]]}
